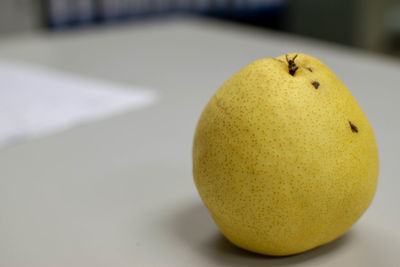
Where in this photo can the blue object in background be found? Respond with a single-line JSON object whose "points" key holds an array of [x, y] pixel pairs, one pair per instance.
{"points": [[75, 13], [66, 13]]}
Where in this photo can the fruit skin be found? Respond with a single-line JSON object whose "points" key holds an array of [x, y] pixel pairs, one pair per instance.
{"points": [[281, 165]]}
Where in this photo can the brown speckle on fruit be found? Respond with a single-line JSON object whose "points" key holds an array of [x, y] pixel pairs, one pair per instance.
{"points": [[278, 60], [353, 128], [292, 65], [315, 84], [310, 69]]}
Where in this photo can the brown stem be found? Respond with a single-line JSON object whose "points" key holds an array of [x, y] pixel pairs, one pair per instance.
{"points": [[292, 65]]}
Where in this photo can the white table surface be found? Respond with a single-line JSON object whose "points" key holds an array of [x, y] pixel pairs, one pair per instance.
{"points": [[119, 192]]}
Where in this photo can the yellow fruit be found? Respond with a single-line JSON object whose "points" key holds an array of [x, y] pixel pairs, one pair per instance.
{"points": [[283, 156]]}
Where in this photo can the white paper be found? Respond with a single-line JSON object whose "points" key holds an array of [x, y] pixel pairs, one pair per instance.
{"points": [[35, 101]]}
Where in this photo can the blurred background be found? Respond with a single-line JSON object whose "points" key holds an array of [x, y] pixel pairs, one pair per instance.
{"points": [[368, 24], [99, 100]]}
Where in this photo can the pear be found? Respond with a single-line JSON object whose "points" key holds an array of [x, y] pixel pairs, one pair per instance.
{"points": [[283, 156]]}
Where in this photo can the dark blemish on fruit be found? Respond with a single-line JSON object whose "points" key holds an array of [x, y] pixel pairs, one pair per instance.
{"points": [[292, 65], [315, 84], [310, 69], [353, 128], [278, 60]]}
